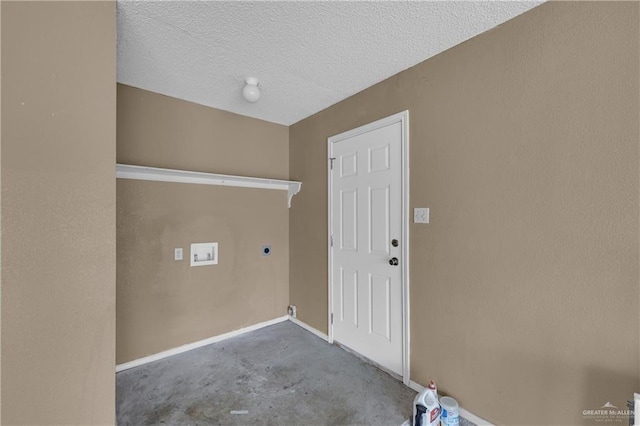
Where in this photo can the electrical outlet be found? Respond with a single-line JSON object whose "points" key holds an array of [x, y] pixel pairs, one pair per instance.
{"points": [[177, 254], [421, 215], [292, 311]]}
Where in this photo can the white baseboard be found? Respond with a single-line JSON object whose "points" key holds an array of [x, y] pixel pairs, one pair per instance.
{"points": [[473, 418], [463, 413], [310, 329], [198, 344], [415, 386]]}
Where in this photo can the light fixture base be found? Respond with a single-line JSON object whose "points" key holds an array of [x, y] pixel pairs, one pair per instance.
{"points": [[251, 91]]}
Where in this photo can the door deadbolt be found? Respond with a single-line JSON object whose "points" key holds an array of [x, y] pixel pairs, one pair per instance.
{"points": [[393, 261], [394, 242]]}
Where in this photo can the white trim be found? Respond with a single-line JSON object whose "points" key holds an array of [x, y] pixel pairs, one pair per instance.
{"points": [[463, 413], [406, 322], [329, 242], [310, 329], [198, 344], [403, 118], [415, 386], [366, 128], [473, 418], [636, 409], [127, 171]]}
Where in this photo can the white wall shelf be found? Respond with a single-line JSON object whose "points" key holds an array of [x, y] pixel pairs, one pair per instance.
{"points": [[126, 171]]}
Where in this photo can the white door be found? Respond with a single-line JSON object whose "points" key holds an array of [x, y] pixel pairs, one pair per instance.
{"points": [[366, 230]]}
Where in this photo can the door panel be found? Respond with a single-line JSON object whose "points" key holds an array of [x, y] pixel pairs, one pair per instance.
{"points": [[379, 221], [349, 299], [349, 220], [379, 291], [379, 159], [349, 165], [366, 200]]}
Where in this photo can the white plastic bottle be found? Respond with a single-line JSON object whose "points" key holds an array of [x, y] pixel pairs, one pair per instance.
{"points": [[449, 414], [426, 408]]}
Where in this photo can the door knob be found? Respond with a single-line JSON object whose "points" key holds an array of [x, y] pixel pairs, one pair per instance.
{"points": [[393, 261]]}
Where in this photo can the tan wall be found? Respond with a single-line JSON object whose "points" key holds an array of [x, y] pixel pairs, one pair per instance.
{"points": [[0, 219], [162, 303], [58, 221], [160, 131], [524, 144]]}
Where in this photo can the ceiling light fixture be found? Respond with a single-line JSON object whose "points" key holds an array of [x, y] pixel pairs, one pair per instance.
{"points": [[251, 92]]}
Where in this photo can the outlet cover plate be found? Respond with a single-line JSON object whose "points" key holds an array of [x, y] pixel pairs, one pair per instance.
{"points": [[177, 254], [421, 215]]}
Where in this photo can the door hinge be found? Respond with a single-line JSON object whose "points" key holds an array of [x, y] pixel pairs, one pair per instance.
{"points": [[331, 240], [331, 319], [331, 160]]}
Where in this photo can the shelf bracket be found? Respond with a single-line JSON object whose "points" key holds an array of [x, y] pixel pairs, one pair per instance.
{"points": [[294, 188]]}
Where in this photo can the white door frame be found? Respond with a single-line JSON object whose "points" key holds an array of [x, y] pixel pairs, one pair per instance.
{"points": [[403, 118]]}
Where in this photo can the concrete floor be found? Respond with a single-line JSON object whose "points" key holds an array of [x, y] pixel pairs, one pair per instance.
{"points": [[278, 375]]}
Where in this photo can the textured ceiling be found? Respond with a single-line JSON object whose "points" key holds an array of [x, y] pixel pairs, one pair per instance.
{"points": [[308, 55]]}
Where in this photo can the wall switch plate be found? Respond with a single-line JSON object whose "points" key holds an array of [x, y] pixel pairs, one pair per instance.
{"points": [[177, 254], [421, 215]]}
